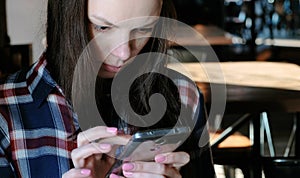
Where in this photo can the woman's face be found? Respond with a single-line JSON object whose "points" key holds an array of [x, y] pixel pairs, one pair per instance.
{"points": [[120, 31]]}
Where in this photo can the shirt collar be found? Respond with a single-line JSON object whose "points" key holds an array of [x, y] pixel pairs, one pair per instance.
{"points": [[39, 81]]}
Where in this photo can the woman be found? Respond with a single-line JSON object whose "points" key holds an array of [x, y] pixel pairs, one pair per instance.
{"points": [[40, 135]]}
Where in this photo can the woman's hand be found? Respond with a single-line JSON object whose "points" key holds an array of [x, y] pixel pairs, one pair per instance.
{"points": [[88, 158], [165, 166]]}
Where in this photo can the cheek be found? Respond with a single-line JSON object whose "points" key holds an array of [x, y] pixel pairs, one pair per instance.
{"points": [[139, 44]]}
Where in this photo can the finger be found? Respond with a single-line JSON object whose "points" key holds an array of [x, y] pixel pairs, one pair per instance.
{"points": [[137, 169], [143, 175], [116, 140], [95, 133], [79, 154], [115, 176], [177, 159], [77, 173]]}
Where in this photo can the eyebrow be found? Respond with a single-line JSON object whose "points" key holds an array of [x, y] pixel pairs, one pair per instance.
{"points": [[111, 24], [103, 20]]}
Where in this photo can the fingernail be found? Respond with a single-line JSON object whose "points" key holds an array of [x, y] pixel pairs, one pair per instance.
{"points": [[127, 174], [113, 176], [111, 129], [85, 171], [105, 146], [127, 166], [160, 158]]}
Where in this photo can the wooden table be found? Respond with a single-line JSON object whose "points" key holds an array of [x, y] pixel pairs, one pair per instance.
{"points": [[251, 88], [249, 74], [200, 35]]}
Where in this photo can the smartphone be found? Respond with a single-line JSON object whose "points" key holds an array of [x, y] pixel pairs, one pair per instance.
{"points": [[145, 145]]}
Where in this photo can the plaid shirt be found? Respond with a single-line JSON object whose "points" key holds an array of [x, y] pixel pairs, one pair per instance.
{"points": [[39, 127]]}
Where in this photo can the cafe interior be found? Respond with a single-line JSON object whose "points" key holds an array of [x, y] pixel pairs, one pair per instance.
{"points": [[255, 132]]}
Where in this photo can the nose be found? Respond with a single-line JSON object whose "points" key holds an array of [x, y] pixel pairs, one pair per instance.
{"points": [[123, 51]]}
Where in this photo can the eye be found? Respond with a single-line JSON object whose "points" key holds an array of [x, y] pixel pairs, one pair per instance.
{"points": [[100, 28], [144, 30]]}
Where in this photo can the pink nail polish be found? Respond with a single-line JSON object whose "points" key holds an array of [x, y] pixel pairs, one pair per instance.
{"points": [[85, 172], [127, 166], [113, 176], [105, 146], [127, 174], [160, 158], [111, 129]]}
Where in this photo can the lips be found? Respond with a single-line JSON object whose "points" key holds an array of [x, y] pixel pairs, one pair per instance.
{"points": [[111, 68]]}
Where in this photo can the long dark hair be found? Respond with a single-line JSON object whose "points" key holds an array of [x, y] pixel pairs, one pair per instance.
{"points": [[67, 31], [68, 34]]}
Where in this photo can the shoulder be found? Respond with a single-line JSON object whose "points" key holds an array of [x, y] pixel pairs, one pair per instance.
{"points": [[12, 90], [20, 87], [189, 92], [182, 81], [15, 85]]}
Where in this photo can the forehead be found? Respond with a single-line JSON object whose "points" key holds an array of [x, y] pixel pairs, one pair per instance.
{"points": [[116, 11]]}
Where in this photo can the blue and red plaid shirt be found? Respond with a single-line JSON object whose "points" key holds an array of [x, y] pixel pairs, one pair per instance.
{"points": [[38, 126]]}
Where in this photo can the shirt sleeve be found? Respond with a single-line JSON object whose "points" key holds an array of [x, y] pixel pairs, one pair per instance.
{"points": [[5, 166], [198, 146]]}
